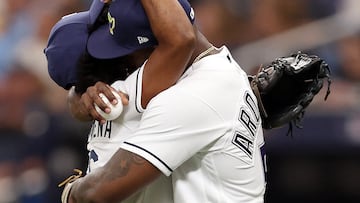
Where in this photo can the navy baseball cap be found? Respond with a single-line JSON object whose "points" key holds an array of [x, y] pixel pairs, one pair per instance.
{"points": [[67, 42], [128, 30]]}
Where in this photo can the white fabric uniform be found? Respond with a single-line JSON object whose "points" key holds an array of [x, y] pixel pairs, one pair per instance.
{"points": [[206, 133], [104, 141]]}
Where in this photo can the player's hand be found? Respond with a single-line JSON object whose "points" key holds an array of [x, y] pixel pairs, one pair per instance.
{"points": [[91, 97]]}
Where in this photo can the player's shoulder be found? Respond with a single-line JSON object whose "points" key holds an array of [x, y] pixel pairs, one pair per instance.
{"points": [[118, 85]]}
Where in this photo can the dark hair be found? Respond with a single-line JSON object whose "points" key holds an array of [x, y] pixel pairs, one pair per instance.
{"points": [[91, 70]]}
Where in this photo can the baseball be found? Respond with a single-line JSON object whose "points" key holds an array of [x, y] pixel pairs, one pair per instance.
{"points": [[115, 109]]}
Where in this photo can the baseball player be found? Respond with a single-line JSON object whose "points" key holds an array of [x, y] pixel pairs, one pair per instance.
{"points": [[67, 41], [211, 155]]}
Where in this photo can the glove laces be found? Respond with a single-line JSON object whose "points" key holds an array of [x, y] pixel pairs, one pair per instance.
{"points": [[71, 178]]}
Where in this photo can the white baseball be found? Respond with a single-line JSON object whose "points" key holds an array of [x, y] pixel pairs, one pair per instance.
{"points": [[116, 110]]}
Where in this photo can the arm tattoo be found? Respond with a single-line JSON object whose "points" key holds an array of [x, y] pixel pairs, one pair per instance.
{"points": [[107, 178], [120, 166]]}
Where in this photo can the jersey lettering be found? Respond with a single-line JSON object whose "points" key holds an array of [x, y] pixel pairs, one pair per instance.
{"points": [[93, 156], [248, 122], [244, 143], [249, 117], [252, 105], [103, 131]]}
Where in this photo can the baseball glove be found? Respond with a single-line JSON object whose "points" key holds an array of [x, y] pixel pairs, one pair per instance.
{"points": [[286, 87], [68, 184]]}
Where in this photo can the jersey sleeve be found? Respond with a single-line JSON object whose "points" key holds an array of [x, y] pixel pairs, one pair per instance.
{"points": [[174, 128]]}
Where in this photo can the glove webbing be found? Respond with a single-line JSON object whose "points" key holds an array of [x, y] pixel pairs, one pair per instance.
{"points": [[295, 122], [327, 75], [298, 120]]}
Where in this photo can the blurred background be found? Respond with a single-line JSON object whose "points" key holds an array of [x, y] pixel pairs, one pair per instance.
{"points": [[40, 143]]}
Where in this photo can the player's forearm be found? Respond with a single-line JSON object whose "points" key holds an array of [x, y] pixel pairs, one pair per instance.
{"points": [[176, 42], [122, 176], [75, 108], [84, 191], [168, 21]]}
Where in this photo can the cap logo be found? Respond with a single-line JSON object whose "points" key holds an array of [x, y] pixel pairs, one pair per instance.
{"points": [[142, 39], [111, 23], [192, 14]]}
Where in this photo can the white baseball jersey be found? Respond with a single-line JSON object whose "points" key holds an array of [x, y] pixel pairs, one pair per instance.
{"points": [[104, 141], [205, 132]]}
